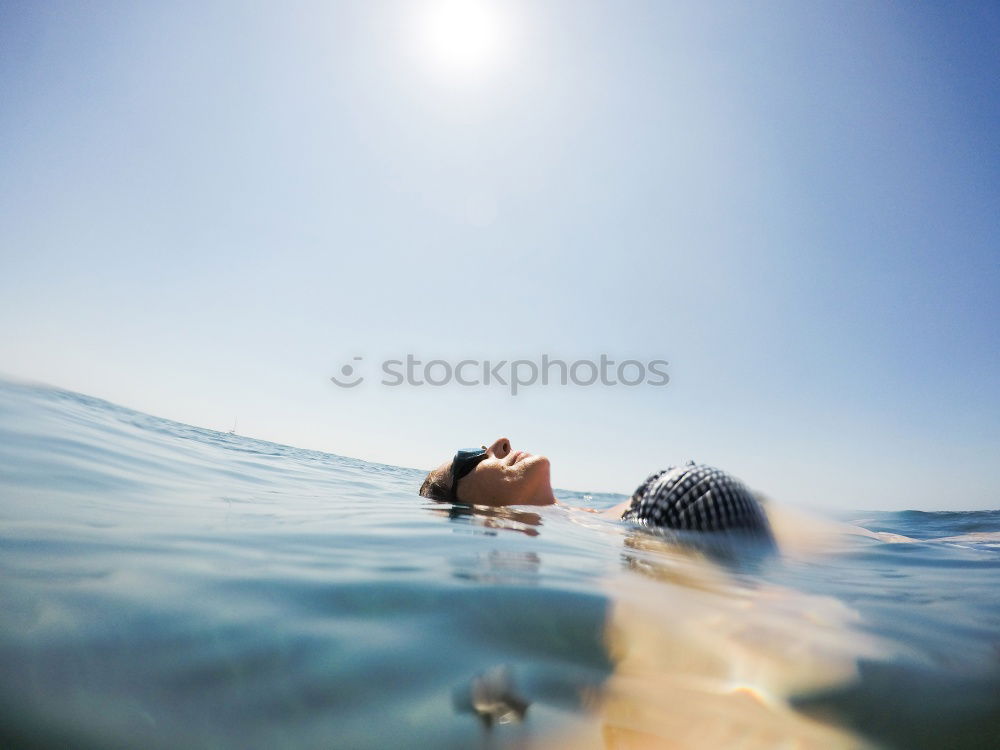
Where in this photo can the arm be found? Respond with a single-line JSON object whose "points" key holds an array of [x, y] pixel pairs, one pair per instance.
{"points": [[614, 513]]}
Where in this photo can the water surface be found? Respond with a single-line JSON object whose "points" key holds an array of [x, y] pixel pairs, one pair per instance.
{"points": [[169, 586]]}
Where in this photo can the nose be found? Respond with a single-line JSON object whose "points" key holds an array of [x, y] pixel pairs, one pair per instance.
{"points": [[500, 448]]}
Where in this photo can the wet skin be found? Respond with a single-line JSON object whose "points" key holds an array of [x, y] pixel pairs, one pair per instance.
{"points": [[506, 477]]}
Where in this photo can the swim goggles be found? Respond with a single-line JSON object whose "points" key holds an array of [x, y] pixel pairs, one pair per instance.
{"points": [[463, 463]]}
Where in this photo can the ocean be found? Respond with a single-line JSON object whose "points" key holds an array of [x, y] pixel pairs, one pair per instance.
{"points": [[167, 586]]}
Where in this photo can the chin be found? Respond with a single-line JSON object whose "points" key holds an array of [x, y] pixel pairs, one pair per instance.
{"points": [[538, 472], [537, 464]]}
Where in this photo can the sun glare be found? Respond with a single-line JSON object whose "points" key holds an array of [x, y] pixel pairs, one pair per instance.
{"points": [[462, 37]]}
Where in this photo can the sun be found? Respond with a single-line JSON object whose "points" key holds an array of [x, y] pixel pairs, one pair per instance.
{"points": [[463, 37]]}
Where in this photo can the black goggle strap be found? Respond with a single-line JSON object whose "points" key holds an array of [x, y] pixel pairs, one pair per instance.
{"points": [[464, 462]]}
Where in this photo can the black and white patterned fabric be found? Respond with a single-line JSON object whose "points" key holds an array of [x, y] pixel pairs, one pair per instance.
{"points": [[696, 497]]}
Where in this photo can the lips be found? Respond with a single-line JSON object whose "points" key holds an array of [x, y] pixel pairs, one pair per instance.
{"points": [[518, 455]]}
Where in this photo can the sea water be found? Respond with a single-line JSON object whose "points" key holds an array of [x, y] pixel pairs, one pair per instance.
{"points": [[165, 586]]}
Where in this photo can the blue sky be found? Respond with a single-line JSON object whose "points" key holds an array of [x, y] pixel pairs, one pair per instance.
{"points": [[206, 209]]}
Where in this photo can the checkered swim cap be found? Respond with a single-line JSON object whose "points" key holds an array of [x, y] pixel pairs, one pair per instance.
{"points": [[696, 498]]}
